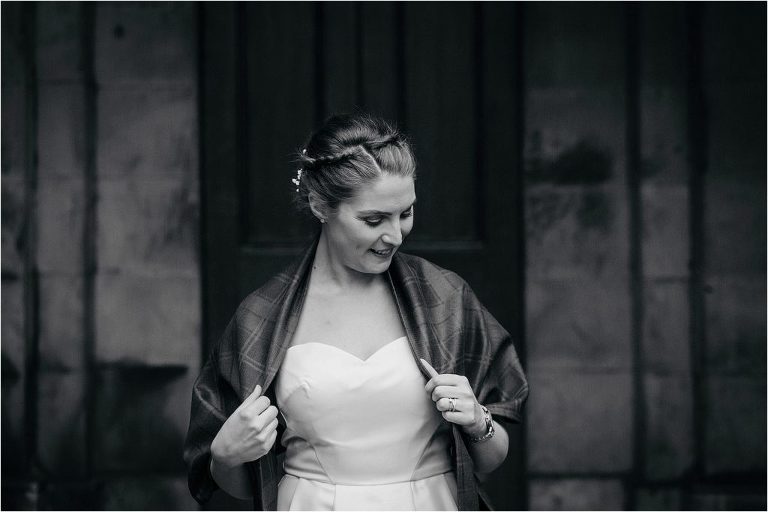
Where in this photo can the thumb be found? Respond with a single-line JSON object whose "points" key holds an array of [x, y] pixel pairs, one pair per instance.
{"points": [[256, 393]]}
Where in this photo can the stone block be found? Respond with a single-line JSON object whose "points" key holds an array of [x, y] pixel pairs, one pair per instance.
{"points": [[665, 231], [662, 498], [663, 134], [13, 330], [736, 325], [60, 225], [576, 494], [61, 322], [61, 409], [662, 40], [736, 119], [570, 44], [61, 130], [735, 426], [13, 370], [59, 36], [576, 233], [147, 493], [147, 320], [13, 217], [149, 226], [735, 226], [720, 500], [141, 42], [13, 55], [147, 130], [141, 417], [669, 433], [666, 336], [577, 324], [12, 139], [730, 26], [582, 422], [575, 136]]}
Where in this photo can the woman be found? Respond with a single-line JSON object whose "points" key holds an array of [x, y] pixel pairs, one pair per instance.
{"points": [[331, 361]]}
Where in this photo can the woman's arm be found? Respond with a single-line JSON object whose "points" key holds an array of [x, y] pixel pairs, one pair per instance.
{"points": [[489, 454], [233, 480]]}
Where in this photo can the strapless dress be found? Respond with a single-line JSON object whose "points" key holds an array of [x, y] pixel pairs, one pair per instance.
{"points": [[361, 434]]}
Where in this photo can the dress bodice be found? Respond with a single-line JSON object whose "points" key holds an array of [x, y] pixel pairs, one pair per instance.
{"points": [[361, 434]]}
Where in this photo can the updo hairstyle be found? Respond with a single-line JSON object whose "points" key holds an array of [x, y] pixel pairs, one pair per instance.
{"points": [[347, 152]]}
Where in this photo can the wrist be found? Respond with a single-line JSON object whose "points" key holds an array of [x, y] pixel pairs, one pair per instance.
{"points": [[478, 428], [220, 459]]}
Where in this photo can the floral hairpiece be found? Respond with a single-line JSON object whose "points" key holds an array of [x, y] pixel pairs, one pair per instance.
{"points": [[297, 180]]}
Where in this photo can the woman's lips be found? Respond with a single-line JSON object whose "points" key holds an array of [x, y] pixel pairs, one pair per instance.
{"points": [[386, 253]]}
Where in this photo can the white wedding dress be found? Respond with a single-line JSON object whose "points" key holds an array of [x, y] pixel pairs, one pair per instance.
{"points": [[361, 435]]}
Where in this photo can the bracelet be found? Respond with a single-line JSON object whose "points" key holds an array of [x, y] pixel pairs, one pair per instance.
{"points": [[488, 425]]}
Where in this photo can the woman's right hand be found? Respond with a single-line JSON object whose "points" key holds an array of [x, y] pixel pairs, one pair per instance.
{"points": [[248, 434]]}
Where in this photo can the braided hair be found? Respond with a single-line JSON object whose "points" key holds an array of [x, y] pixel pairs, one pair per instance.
{"points": [[347, 152]]}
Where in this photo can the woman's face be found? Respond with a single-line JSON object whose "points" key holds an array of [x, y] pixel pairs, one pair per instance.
{"points": [[365, 231]]}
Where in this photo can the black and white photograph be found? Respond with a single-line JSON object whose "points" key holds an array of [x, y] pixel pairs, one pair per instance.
{"points": [[384, 255]]}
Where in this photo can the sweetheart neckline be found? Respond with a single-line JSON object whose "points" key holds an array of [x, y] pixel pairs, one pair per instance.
{"points": [[353, 356]]}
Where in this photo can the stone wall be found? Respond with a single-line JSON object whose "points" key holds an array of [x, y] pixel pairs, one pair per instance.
{"points": [[101, 277]]}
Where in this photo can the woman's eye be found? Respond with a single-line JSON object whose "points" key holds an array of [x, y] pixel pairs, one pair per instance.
{"points": [[373, 222], [407, 213]]}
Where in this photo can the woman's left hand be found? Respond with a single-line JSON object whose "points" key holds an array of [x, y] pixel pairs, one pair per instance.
{"points": [[454, 398]]}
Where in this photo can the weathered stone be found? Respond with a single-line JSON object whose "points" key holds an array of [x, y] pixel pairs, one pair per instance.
{"points": [[61, 410], [740, 500], [576, 494], [569, 44], [147, 320], [140, 42], [13, 55], [665, 231], [593, 426], [148, 493], [575, 233], [735, 226], [565, 330], [59, 36], [60, 225], [663, 136], [736, 325], [666, 336], [735, 428], [61, 343], [147, 130], [141, 416], [61, 130], [669, 431], [13, 152], [663, 498], [149, 226], [13, 227], [575, 137], [13, 370]]}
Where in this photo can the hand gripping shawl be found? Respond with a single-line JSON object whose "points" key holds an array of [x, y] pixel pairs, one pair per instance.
{"points": [[445, 324]]}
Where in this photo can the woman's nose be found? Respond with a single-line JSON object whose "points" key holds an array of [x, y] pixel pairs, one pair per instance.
{"points": [[394, 236]]}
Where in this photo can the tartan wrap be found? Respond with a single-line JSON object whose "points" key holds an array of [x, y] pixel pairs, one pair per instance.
{"points": [[445, 323]]}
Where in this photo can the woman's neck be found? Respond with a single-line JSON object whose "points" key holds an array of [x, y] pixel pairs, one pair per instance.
{"points": [[331, 276]]}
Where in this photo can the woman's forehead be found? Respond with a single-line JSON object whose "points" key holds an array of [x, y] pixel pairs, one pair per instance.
{"points": [[386, 193]]}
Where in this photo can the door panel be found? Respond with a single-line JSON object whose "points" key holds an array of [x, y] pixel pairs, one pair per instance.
{"points": [[447, 74]]}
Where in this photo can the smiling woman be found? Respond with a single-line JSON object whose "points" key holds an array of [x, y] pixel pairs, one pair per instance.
{"points": [[330, 360]]}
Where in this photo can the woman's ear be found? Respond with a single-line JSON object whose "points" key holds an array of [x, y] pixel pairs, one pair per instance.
{"points": [[318, 209]]}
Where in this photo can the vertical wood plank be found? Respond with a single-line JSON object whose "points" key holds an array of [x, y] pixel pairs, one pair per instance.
{"points": [[379, 67]]}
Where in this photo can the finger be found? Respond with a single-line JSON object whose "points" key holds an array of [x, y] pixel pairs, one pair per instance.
{"points": [[444, 379], [269, 414], [258, 406], [446, 392], [431, 371], [444, 404], [454, 417]]}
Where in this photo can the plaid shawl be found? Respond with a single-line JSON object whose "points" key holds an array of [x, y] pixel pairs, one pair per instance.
{"points": [[445, 324]]}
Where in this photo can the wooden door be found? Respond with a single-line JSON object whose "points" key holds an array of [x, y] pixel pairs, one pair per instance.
{"points": [[446, 74]]}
